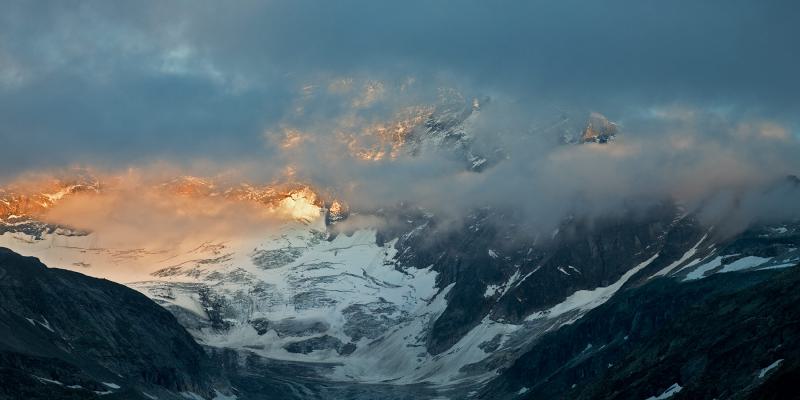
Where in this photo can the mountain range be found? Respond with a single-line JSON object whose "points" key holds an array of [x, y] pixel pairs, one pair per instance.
{"points": [[652, 301]]}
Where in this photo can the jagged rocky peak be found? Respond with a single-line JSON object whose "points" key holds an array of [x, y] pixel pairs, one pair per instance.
{"points": [[269, 195], [596, 129], [446, 126], [34, 196], [453, 109], [337, 211], [190, 186], [599, 129], [26, 203], [449, 128]]}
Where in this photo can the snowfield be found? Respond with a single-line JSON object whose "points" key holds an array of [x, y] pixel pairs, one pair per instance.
{"points": [[296, 292]]}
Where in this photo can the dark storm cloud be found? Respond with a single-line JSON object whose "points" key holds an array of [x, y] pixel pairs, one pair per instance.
{"points": [[572, 51]]}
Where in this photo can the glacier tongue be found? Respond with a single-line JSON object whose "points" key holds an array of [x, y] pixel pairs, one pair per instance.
{"points": [[297, 295], [291, 293], [300, 296]]}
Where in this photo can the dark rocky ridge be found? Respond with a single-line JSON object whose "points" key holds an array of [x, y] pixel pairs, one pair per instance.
{"points": [[713, 337], [490, 247], [61, 326]]}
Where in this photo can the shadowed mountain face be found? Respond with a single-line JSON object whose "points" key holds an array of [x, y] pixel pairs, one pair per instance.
{"points": [[66, 335], [727, 336], [499, 270]]}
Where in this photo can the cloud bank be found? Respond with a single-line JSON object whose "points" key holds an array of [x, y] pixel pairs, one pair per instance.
{"points": [[705, 94]]}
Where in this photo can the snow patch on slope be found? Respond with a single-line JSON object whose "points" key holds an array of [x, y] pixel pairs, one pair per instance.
{"points": [[767, 369], [686, 256], [672, 390], [745, 263], [585, 300], [700, 271]]}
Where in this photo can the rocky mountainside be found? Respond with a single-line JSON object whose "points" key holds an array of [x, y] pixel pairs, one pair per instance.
{"points": [[730, 336], [348, 307], [467, 299], [448, 129], [599, 129], [66, 335], [18, 201], [595, 128]]}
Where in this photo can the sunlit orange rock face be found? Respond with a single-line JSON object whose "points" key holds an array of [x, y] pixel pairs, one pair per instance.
{"points": [[35, 197], [337, 211], [386, 140], [189, 186]]}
